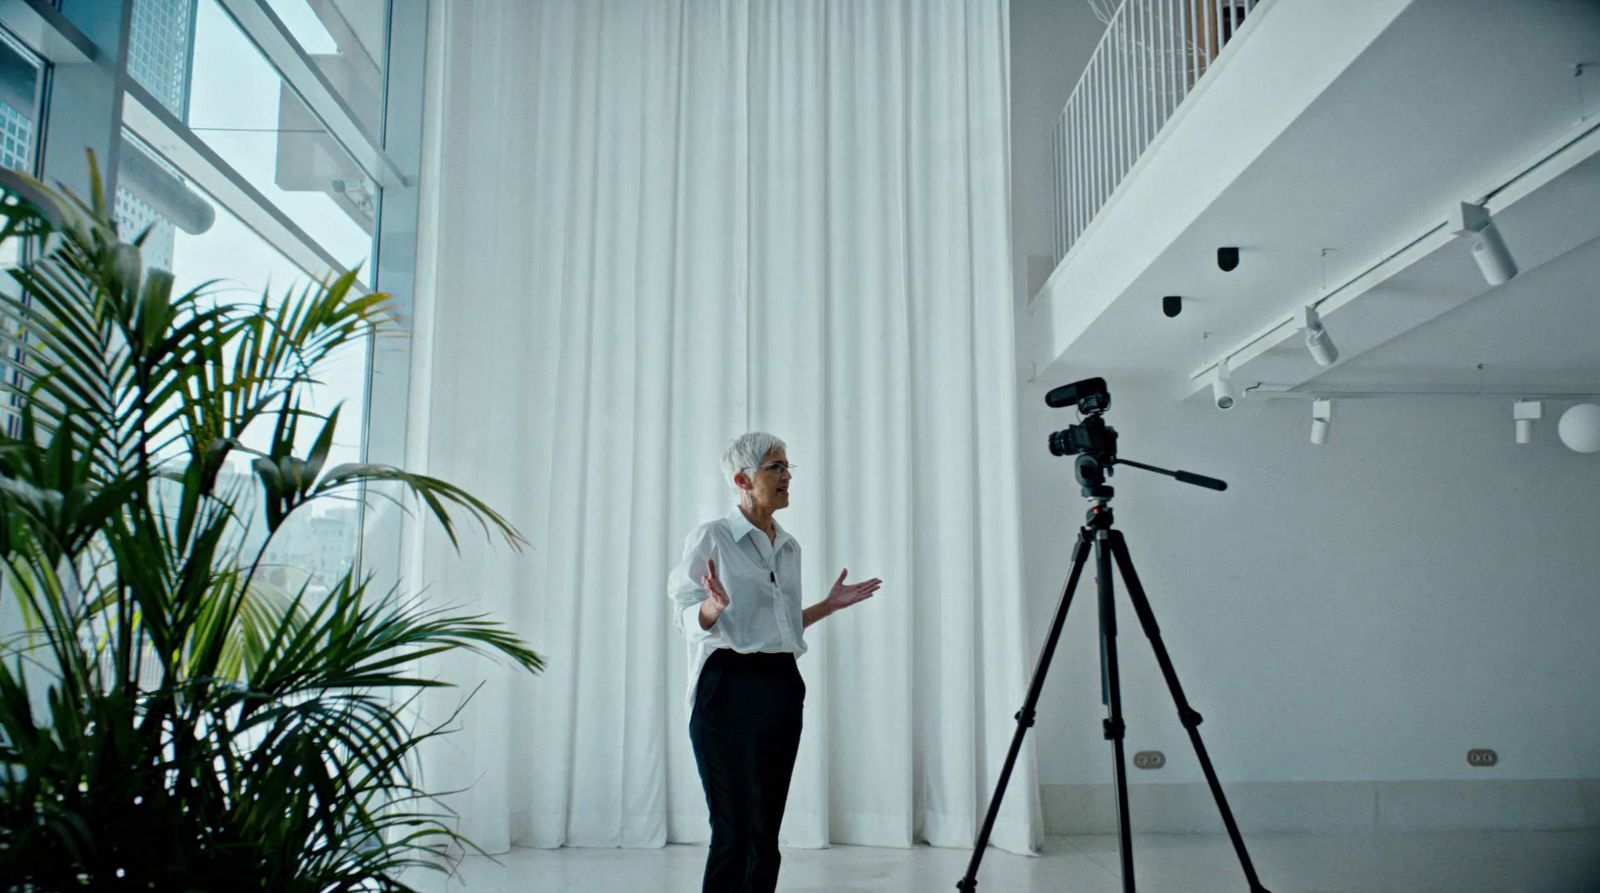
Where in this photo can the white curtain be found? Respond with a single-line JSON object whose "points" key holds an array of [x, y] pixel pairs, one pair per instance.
{"points": [[652, 225]]}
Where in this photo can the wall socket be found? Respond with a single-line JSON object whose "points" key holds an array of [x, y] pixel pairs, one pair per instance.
{"points": [[1149, 759], [1482, 756]]}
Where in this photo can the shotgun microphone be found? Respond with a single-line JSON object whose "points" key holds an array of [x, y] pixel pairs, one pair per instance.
{"points": [[1072, 394]]}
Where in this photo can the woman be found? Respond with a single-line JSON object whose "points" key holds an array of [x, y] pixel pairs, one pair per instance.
{"points": [[736, 595]]}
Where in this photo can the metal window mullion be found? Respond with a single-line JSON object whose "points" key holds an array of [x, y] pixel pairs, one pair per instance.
{"points": [[263, 28], [179, 146]]}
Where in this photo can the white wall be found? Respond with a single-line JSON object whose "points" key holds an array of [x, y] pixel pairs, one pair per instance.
{"points": [[1363, 611], [1051, 41]]}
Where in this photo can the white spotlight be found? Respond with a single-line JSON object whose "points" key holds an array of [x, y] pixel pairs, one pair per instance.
{"points": [[1321, 418], [1222, 392], [1318, 341], [1579, 428], [1526, 412], [1488, 248]]}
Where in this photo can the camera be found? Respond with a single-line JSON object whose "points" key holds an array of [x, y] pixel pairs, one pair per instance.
{"points": [[1092, 440], [1093, 436]]}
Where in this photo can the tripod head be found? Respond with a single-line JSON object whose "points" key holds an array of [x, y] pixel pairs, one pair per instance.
{"points": [[1095, 443]]}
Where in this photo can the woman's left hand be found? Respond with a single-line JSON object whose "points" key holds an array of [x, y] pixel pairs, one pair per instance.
{"points": [[843, 594]]}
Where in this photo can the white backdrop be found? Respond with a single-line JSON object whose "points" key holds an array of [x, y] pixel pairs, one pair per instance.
{"points": [[649, 226]]}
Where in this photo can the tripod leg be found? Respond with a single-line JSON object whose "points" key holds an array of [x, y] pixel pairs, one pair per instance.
{"points": [[1080, 556], [1114, 725], [1187, 714]]}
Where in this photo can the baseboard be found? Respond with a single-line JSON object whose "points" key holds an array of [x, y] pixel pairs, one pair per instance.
{"points": [[1330, 807]]}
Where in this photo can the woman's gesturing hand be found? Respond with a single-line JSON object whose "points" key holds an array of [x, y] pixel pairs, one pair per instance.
{"points": [[716, 597], [843, 594]]}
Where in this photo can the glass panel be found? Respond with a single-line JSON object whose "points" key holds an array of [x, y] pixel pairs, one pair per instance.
{"points": [[242, 109], [19, 90], [160, 42], [149, 193], [199, 241], [319, 543], [20, 71], [347, 40]]}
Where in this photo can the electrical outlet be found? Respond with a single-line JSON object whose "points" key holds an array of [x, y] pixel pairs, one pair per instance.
{"points": [[1482, 756], [1149, 759]]}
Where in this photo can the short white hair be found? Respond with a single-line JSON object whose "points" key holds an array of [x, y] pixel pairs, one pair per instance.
{"points": [[747, 451]]}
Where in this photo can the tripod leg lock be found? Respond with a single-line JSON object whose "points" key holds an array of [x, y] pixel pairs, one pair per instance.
{"points": [[1024, 718], [1115, 729], [1190, 717]]}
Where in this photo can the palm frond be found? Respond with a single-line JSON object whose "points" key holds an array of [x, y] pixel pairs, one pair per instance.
{"points": [[197, 727]]}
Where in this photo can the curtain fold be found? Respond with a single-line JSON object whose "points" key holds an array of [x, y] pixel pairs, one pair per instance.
{"points": [[649, 227]]}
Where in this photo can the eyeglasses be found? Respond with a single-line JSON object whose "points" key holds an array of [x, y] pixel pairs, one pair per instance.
{"points": [[777, 468]]}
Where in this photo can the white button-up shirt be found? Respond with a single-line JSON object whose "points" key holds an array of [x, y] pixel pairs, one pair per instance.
{"points": [[762, 579]]}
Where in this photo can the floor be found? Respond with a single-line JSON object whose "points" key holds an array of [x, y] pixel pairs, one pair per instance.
{"points": [[1450, 862]]}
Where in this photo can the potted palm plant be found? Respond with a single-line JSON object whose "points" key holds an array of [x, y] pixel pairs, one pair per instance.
{"points": [[167, 721]]}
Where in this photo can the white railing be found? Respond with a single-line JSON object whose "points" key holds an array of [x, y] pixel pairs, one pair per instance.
{"points": [[1152, 54]]}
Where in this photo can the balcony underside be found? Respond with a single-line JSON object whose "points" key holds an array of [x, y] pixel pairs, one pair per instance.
{"points": [[1329, 145]]}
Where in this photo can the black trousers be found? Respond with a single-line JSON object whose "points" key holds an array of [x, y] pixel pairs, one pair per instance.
{"points": [[745, 729]]}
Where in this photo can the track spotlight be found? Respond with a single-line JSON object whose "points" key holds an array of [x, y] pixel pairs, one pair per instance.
{"points": [[1318, 341], [1488, 248], [1228, 258], [1222, 392], [1171, 305], [1526, 412], [1321, 418]]}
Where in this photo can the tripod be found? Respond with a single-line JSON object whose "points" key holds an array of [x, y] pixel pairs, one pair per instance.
{"points": [[1092, 466]]}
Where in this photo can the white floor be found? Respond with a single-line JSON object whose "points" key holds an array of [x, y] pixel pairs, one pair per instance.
{"points": [[1449, 862]]}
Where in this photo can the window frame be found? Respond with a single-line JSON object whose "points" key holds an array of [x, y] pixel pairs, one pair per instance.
{"points": [[86, 96]]}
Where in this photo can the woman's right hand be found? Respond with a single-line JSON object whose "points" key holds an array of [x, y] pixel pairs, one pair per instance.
{"points": [[716, 597]]}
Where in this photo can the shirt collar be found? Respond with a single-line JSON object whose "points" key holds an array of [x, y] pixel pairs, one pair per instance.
{"points": [[741, 527]]}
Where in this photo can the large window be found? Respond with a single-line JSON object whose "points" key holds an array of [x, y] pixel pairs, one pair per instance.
{"points": [[254, 146], [242, 108], [20, 70], [21, 81]]}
